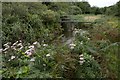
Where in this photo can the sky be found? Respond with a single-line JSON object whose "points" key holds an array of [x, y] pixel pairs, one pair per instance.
{"points": [[98, 3], [102, 3]]}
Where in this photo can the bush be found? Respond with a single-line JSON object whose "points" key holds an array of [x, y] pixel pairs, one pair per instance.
{"points": [[75, 10], [50, 16]]}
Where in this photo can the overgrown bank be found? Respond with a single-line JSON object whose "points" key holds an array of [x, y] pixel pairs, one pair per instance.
{"points": [[32, 43]]}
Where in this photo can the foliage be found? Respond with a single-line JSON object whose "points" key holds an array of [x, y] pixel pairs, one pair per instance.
{"points": [[28, 25], [33, 48], [49, 16], [85, 7], [75, 10]]}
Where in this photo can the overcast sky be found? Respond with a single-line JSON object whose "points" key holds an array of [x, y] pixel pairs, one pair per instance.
{"points": [[101, 3], [98, 3]]}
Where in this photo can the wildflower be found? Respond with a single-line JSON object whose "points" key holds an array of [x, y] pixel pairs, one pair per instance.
{"points": [[20, 47], [35, 43], [15, 43], [31, 47], [6, 45], [76, 32], [72, 46], [44, 64], [5, 49], [12, 57], [81, 58], [20, 41], [20, 44], [45, 45], [28, 52], [81, 62], [12, 46], [48, 55], [17, 46], [32, 50], [88, 38]]}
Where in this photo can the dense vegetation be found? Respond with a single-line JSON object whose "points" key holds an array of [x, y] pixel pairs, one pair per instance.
{"points": [[35, 44]]}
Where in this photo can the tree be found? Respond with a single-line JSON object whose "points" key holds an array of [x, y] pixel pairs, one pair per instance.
{"points": [[75, 10], [98, 11], [85, 6]]}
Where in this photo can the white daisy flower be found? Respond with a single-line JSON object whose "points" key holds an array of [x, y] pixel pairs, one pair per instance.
{"points": [[81, 62], [15, 43], [45, 45], [5, 49], [72, 46], [12, 46], [48, 55], [35, 43], [28, 52], [20, 41], [44, 64], [7, 44], [20, 47], [81, 58], [20, 44], [31, 47], [88, 38], [12, 57]]}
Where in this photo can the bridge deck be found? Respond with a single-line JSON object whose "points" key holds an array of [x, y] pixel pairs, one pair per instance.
{"points": [[70, 21]]}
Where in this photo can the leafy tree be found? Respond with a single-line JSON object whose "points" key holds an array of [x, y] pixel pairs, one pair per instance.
{"points": [[112, 10], [98, 11], [75, 10], [85, 6]]}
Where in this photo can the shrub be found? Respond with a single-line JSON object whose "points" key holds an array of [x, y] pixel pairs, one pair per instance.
{"points": [[50, 15]]}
